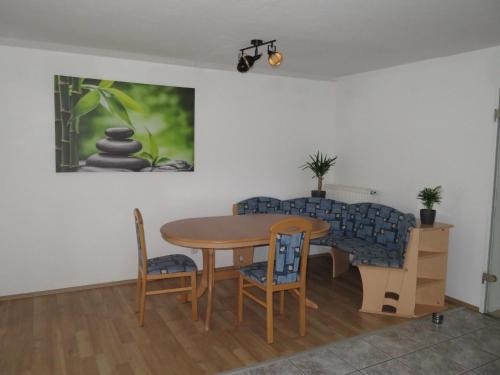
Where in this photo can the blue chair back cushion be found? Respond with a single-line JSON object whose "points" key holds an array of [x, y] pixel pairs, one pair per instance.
{"points": [[287, 261], [287, 257]]}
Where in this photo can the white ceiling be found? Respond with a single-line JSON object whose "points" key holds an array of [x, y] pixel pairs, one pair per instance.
{"points": [[321, 39]]}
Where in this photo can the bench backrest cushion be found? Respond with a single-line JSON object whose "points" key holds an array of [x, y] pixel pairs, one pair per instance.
{"points": [[321, 208], [259, 205], [379, 224], [371, 222]]}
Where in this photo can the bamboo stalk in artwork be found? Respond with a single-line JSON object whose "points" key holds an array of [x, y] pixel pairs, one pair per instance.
{"points": [[67, 92], [75, 93], [58, 117]]}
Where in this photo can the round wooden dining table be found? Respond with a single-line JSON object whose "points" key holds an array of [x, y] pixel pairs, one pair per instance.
{"points": [[238, 232]]}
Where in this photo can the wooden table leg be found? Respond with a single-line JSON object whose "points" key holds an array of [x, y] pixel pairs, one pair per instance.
{"points": [[202, 286], [211, 269]]}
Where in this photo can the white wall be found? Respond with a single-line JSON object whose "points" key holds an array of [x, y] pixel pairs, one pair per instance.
{"points": [[395, 130], [425, 124], [252, 132]]}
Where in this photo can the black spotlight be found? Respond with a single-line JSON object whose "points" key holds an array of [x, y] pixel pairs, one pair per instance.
{"points": [[246, 62], [274, 57]]}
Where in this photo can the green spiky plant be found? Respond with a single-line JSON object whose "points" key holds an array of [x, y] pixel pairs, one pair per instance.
{"points": [[430, 196], [319, 164], [71, 103]]}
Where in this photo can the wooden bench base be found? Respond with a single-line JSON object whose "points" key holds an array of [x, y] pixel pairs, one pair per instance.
{"points": [[341, 262], [418, 288], [388, 290]]}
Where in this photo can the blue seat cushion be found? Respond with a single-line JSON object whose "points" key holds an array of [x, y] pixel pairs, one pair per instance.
{"points": [[171, 264], [343, 243], [258, 272], [365, 252], [376, 255], [354, 245]]}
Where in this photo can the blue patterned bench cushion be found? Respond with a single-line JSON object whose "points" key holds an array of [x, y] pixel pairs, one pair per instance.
{"points": [[381, 226], [375, 234], [321, 208], [377, 255], [259, 205], [286, 264], [171, 264]]}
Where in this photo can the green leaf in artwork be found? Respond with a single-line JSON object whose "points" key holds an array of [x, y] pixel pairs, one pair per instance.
{"points": [[117, 109], [153, 146], [126, 100], [162, 159], [145, 155], [104, 103], [106, 83], [87, 103], [89, 86]]}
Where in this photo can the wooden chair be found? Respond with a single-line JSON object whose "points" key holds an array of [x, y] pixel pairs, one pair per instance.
{"points": [[288, 251], [160, 268]]}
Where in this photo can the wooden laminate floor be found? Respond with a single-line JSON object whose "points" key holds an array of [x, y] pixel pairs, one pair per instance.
{"points": [[96, 332]]}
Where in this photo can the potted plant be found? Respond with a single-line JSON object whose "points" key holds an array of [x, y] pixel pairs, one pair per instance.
{"points": [[429, 197], [320, 165]]}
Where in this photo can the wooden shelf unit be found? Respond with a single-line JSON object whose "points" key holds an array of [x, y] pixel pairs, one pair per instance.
{"points": [[418, 288]]}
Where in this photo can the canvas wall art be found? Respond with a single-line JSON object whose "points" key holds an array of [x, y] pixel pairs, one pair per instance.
{"points": [[104, 126]]}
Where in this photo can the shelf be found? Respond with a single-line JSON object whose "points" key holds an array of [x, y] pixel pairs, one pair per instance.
{"points": [[435, 226], [425, 281], [427, 253], [421, 310], [431, 250]]}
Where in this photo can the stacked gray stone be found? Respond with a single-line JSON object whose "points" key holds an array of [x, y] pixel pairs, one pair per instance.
{"points": [[115, 152]]}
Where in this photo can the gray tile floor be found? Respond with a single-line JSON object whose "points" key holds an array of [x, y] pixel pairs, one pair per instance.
{"points": [[466, 343]]}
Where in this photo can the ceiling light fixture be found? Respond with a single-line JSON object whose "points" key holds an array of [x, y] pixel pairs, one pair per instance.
{"points": [[275, 58], [245, 62]]}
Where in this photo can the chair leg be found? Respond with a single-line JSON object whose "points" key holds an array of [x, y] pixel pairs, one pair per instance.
{"points": [[282, 302], [143, 302], [194, 297], [240, 298], [138, 292], [183, 298], [302, 312], [269, 315]]}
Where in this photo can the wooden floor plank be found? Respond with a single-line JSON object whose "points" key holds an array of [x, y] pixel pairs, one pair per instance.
{"points": [[96, 331]]}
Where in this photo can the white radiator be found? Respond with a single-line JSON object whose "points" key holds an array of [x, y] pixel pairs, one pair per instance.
{"points": [[351, 194]]}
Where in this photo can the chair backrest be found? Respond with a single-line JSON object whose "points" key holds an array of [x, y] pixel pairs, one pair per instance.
{"points": [[288, 251], [141, 240]]}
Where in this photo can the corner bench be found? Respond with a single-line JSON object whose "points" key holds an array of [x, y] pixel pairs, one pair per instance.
{"points": [[383, 242]]}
